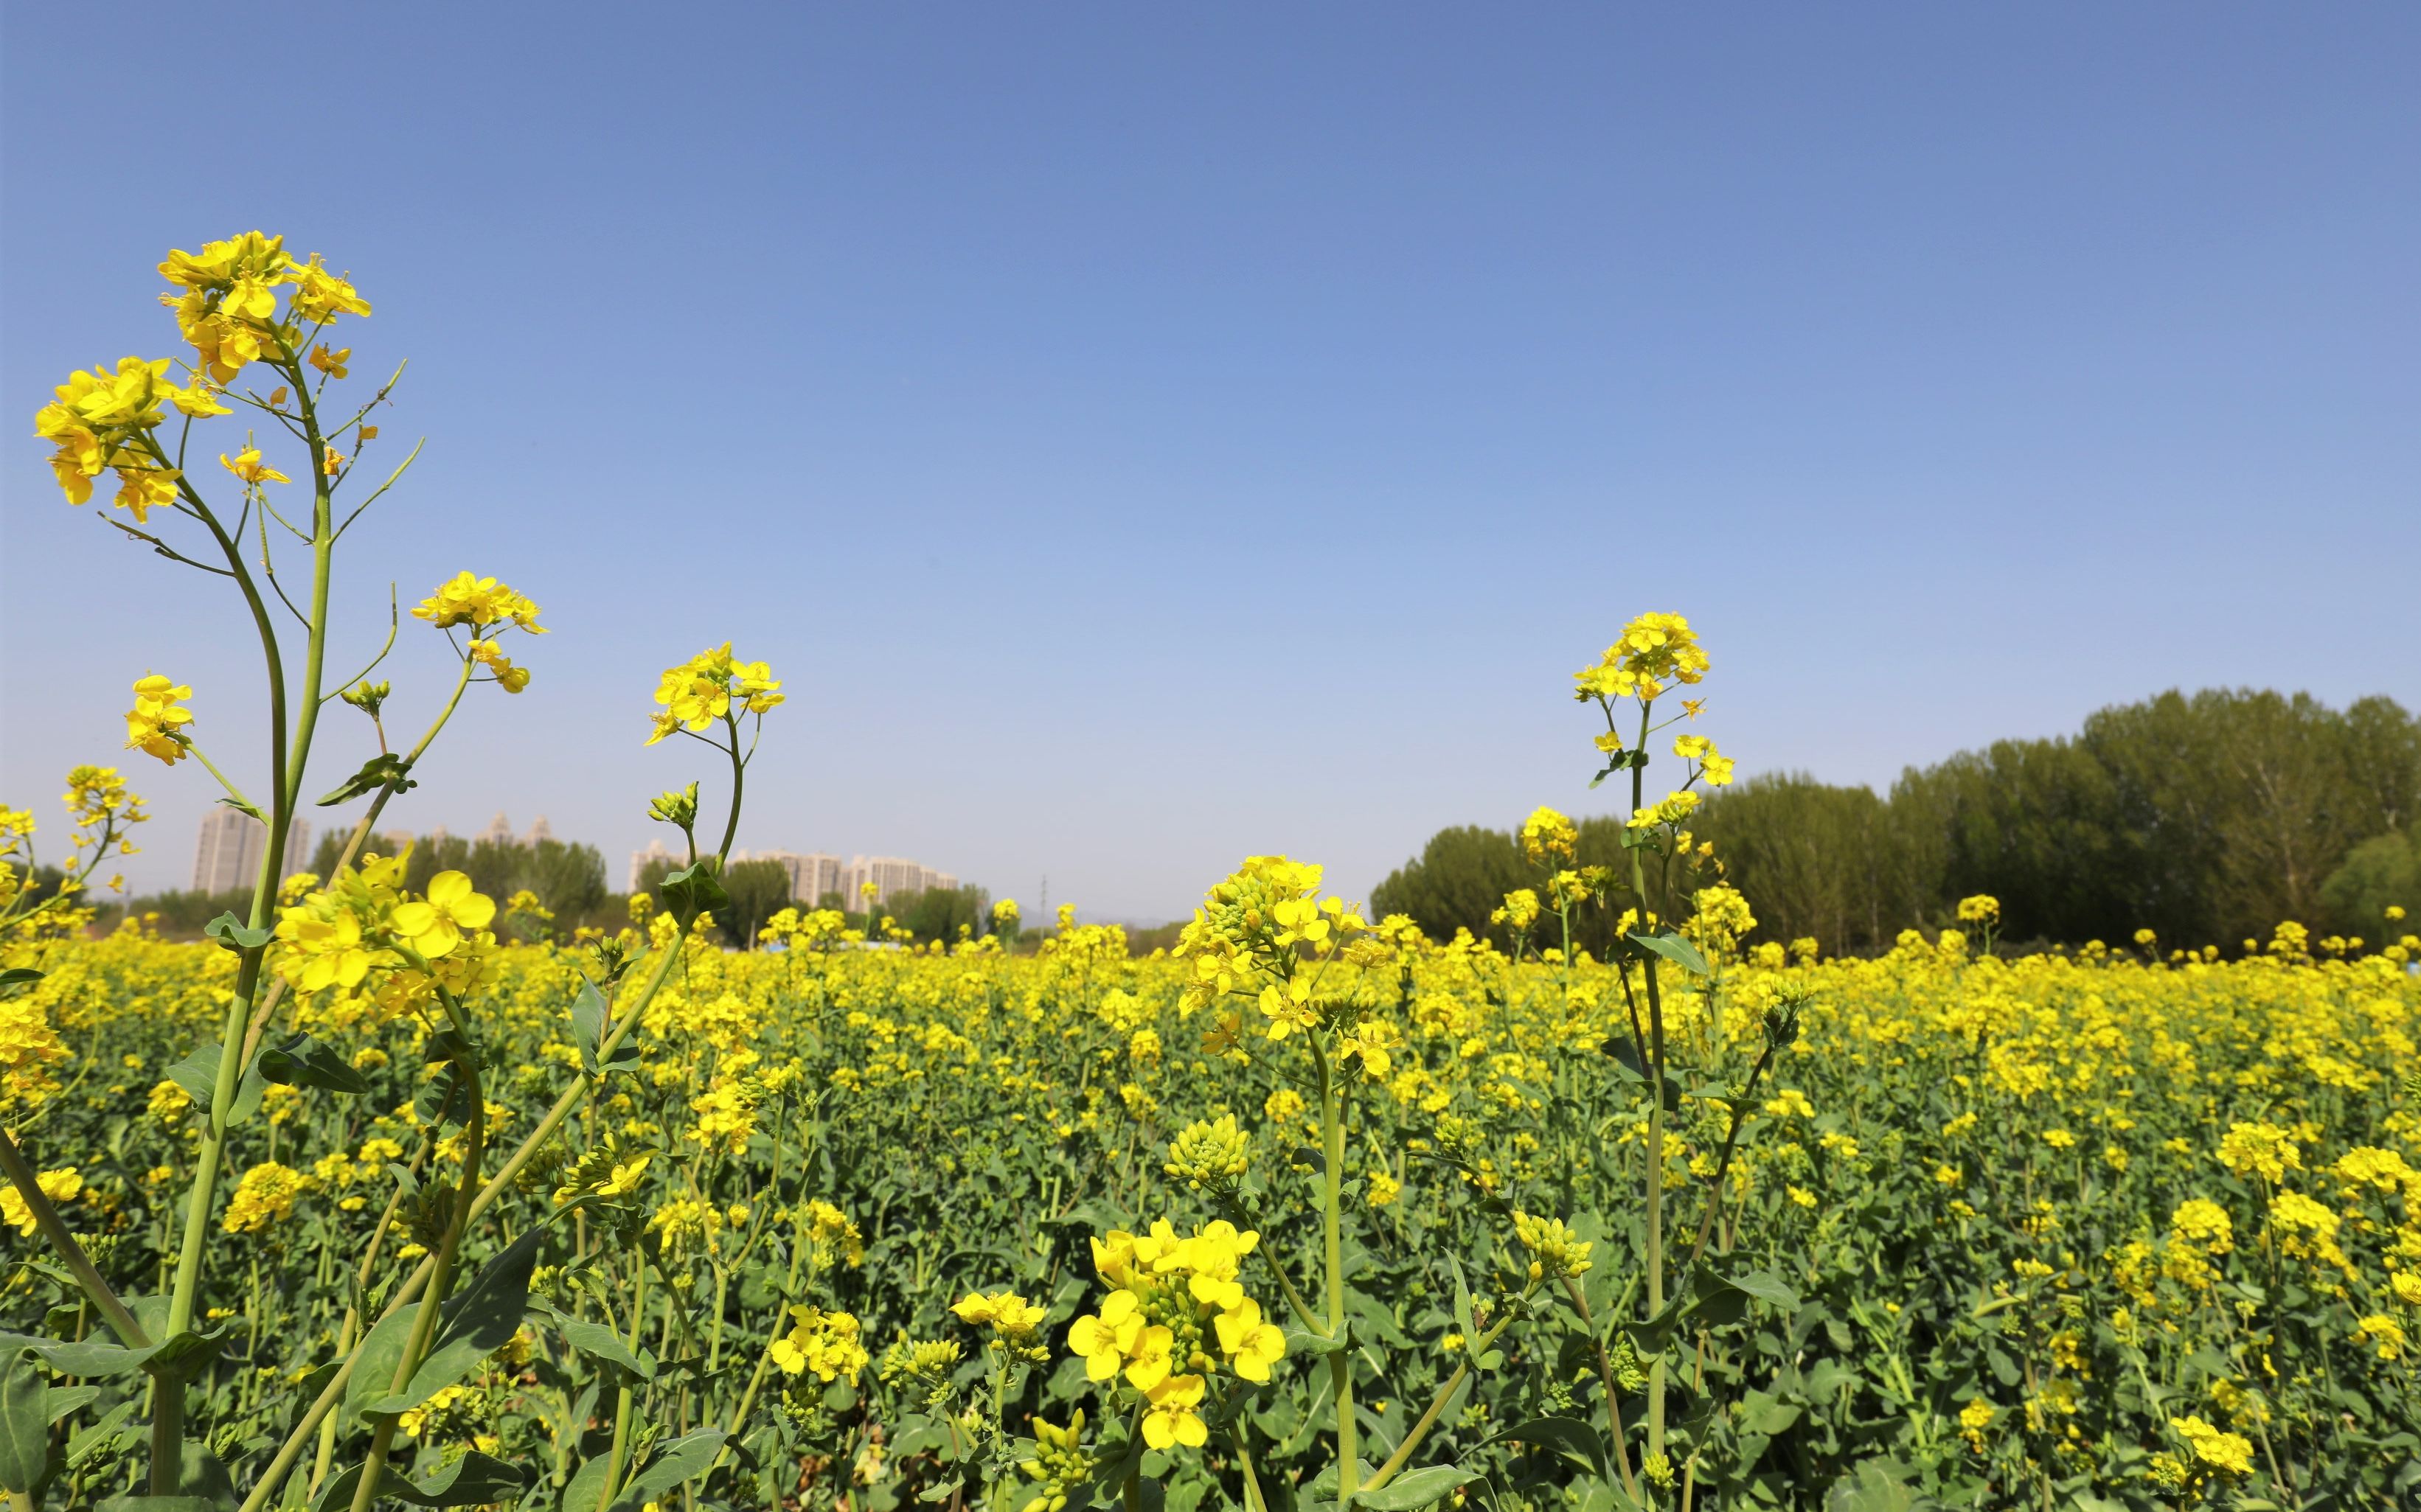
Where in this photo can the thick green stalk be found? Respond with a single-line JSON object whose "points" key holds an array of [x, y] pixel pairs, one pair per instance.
{"points": [[1340, 1365], [167, 1427], [424, 1323], [613, 1456], [46, 1218], [1655, 1163]]}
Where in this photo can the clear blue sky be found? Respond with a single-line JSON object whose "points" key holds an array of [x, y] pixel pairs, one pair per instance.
{"points": [[1146, 435]]}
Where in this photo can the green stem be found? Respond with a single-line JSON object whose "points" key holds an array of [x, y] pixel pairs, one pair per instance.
{"points": [[1340, 1365], [1437, 1404], [424, 1323], [1605, 1373], [54, 1229], [1655, 1163], [622, 1399], [353, 847]]}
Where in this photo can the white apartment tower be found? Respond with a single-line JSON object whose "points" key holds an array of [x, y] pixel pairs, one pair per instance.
{"points": [[811, 876], [227, 857], [890, 877], [655, 851]]}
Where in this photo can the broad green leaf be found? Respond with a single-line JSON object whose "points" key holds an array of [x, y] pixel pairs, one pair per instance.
{"points": [[588, 1487], [684, 1458], [303, 1061], [1566, 1433], [24, 1423], [71, 1399], [198, 1074], [479, 1321], [1650, 1336], [1417, 1488], [1768, 1287], [102, 1435], [474, 1480], [18, 976], [1304, 1343], [692, 891], [587, 1023], [94, 1359], [599, 1342], [1675, 949], [373, 1376]]}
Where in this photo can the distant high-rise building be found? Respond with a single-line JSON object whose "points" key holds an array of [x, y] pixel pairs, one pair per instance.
{"points": [[227, 856], [640, 860], [499, 829], [891, 875], [538, 830], [811, 876]]}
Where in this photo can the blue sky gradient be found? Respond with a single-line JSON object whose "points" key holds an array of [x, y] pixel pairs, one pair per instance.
{"points": [[1144, 437]]}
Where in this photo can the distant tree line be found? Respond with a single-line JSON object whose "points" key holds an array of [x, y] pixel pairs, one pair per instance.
{"points": [[760, 889], [2206, 818], [566, 877]]}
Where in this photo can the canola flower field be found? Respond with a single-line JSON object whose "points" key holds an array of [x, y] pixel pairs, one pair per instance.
{"points": [[380, 1197]]}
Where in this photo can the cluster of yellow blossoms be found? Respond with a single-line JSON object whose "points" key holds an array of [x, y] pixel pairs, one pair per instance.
{"points": [[364, 921], [1653, 649], [1253, 931], [703, 689], [227, 308], [264, 1198], [1015, 1322], [486, 606], [825, 1345], [1175, 1301]]}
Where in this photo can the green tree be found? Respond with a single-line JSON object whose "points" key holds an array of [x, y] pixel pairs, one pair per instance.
{"points": [[1461, 875], [2382, 872]]}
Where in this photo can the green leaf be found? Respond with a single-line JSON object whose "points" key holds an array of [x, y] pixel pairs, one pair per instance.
{"points": [[1463, 1323], [303, 1061], [130, 1503], [474, 1480], [102, 1435], [692, 891], [684, 1458], [17, 977], [442, 1099], [1566, 1433], [373, 1374], [230, 933], [24, 1423], [73, 1399], [1650, 1336], [1415, 1489], [376, 773], [1768, 1287], [479, 1321], [588, 1486], [599, 1342], [242, 807], [589, 1023], [198, 1074], [175, 1356], [1675, 949], [1304, 1342], [93, 1359]]}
